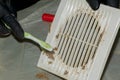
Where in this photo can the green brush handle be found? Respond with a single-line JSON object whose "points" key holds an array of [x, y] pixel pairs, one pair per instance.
{"points": [[42, 44]]}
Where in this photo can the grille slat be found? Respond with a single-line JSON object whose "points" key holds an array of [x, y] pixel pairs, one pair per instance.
{"points": [[68, 57], [77, 37], [85, 45], [70, 33], [61, 39], [61, 46], [94, 33], [96, 38], [64, 43], [82, 35], [74, 40]]}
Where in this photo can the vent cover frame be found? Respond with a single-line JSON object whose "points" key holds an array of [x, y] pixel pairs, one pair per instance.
{"points": [[69, 35]]}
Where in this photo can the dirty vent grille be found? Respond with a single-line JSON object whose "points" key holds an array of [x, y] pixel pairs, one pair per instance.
{"points": [[82, 40], [79, 39]]}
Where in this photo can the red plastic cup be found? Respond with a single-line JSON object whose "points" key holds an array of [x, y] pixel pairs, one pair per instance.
{"points": [[48, 17]]}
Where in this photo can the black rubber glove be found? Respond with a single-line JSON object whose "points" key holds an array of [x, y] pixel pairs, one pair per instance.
{"points": [[8, 22], [96, 3]]}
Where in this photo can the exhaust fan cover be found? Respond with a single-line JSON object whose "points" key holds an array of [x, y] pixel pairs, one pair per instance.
{"points": [[82, 40]]}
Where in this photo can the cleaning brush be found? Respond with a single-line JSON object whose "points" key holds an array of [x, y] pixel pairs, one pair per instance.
{"points": [[41, 43]]}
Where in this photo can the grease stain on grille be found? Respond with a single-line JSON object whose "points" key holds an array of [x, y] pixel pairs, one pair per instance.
{"points": [[50, 54], [55, 49], [57, 36], [50, 62], [66, 72]]}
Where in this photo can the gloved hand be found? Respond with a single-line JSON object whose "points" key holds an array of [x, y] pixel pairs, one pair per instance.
{"points": [[8, 22], [96, 3]]}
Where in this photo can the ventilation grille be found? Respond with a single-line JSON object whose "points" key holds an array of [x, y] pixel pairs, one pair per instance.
{"points": [[82, 39], [79, 39]]}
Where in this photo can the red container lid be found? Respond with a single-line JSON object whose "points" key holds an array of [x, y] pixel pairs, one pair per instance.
{"points": [[48, 17]]}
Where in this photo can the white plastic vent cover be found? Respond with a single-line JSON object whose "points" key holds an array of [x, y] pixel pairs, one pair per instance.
{"points": [[82, 40]]}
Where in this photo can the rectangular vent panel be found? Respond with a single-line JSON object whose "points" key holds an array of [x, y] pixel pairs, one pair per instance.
{"points": [[82, 39]]}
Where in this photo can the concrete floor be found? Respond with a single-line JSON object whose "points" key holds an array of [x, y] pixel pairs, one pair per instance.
{"points": [[18, 60]]}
